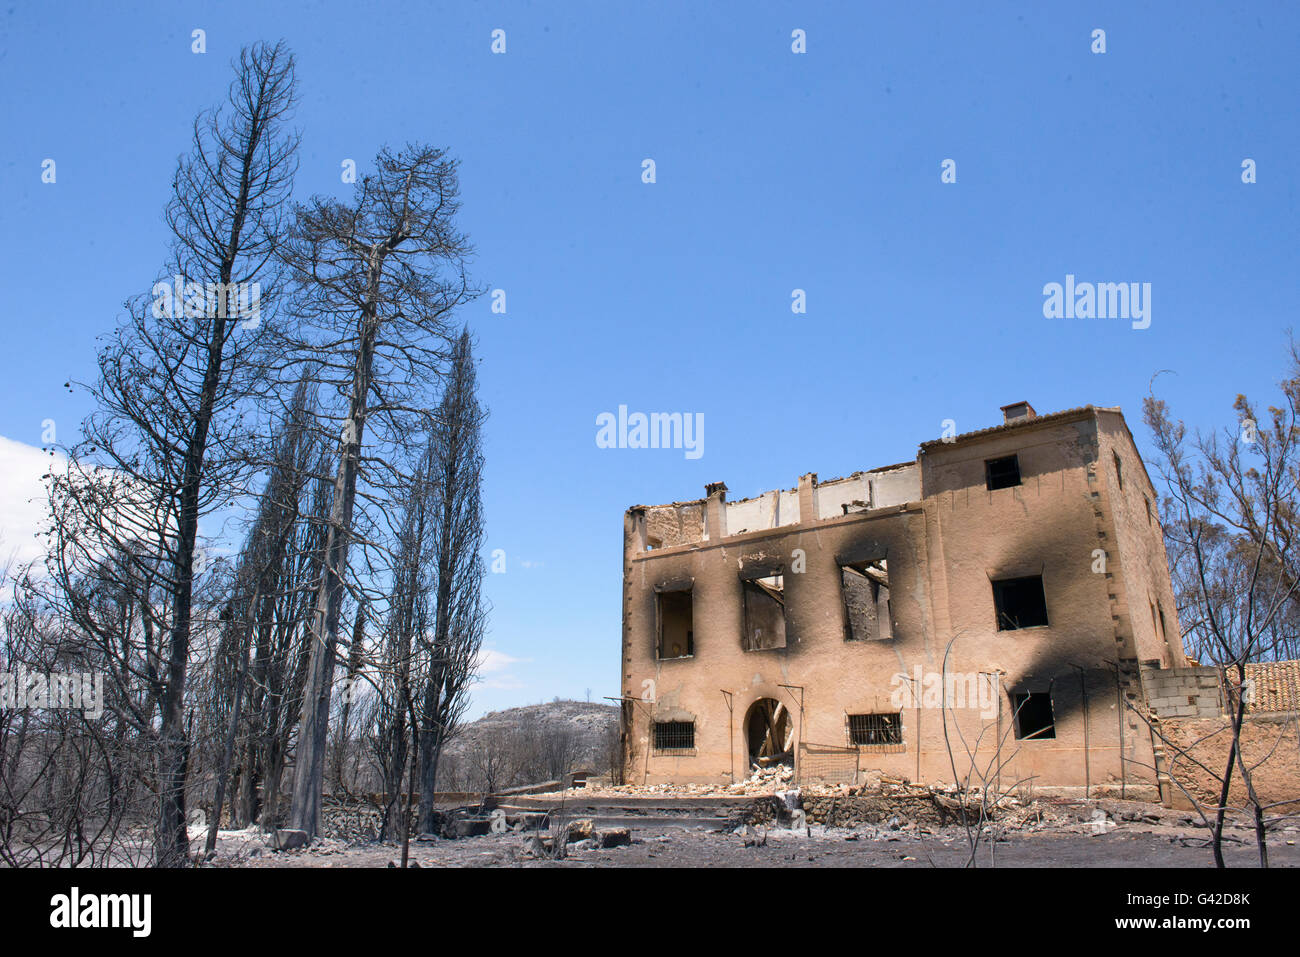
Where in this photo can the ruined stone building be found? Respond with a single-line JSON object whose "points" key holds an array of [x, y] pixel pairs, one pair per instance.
{"points": [[1012, 579]]}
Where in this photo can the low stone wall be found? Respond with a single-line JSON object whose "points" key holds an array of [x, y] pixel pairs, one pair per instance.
{"points": [[852, 810], [439, 797], [360, 821]]}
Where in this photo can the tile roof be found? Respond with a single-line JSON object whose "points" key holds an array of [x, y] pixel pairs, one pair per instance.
{"points": [[1275, 685], [1018, 424]]}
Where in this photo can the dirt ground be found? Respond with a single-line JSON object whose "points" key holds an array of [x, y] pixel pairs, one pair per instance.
{"points": [[1079, 840]]}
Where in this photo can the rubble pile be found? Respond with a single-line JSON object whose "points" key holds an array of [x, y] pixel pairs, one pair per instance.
{"points": [[580, 835], [761, 781], [764, 781], [645, 790], [893, 804]]}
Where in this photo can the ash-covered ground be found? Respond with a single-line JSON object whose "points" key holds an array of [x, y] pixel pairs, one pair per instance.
{"points": [[1038, 833]]}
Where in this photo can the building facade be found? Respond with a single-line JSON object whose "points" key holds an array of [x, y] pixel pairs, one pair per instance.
{"points": [[990, 605]]}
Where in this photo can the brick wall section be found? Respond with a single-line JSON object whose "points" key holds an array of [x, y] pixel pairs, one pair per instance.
{"points": [[1183, 692]]}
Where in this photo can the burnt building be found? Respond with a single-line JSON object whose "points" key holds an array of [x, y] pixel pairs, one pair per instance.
{"points": [[992, 603]]}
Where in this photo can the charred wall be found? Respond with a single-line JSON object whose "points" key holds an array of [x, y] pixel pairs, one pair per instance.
{"points": [[940, 557]]}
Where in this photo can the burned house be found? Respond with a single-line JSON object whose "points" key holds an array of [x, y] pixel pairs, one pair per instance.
{"points": [[991, 604]]}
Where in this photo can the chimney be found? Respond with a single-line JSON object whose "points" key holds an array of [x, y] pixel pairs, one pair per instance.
{"points": [[715, 511], [808, 498], [1017, 412]]}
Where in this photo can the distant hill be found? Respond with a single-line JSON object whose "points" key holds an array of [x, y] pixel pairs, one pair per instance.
{"points": [[530, 744]]}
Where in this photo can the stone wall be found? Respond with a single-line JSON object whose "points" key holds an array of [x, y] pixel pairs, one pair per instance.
{"points": [[851, 810], [1271, 741]]}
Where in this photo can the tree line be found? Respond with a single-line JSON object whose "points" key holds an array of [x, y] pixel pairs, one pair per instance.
{"points": [[330, 424]]}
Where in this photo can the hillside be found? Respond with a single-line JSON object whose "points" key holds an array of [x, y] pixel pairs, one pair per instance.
{"points": [[529, 744]]}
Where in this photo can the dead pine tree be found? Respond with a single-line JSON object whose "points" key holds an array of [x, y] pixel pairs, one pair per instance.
{"points": [[376, 280], [175, 381], [241, 635], [436, 611], [407, 617], [282, 644], [351, 689], [260, 574], [455, 475]]}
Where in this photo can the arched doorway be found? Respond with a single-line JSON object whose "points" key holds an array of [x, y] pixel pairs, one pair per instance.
{"points": [[769, 733]]}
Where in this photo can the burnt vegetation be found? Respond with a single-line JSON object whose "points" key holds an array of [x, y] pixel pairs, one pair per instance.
{"points": [[296, 386]]}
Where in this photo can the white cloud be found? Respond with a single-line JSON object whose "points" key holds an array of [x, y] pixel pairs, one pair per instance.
{"points": [[490, 660], [23, 504], [502, 683], [494, 670]]}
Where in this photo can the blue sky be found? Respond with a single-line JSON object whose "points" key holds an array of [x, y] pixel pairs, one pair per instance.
{"points": [[775, 171]]}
